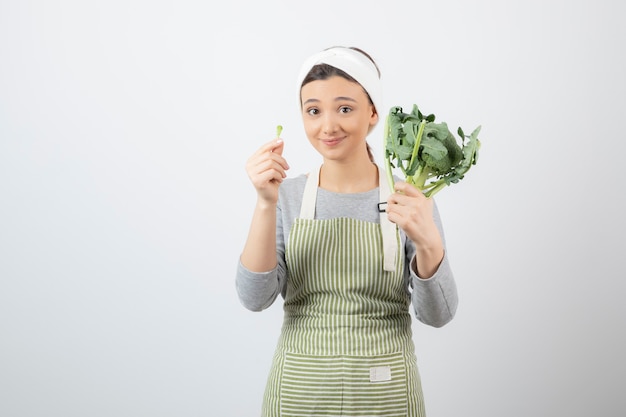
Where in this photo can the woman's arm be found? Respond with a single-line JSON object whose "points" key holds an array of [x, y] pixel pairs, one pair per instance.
{"points": [[259, 251], [258, 290], [257, 279], [434, 298], [266, 169]]}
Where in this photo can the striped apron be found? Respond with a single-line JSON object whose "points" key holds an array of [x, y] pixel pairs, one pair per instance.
{"points": [[346, 345]]}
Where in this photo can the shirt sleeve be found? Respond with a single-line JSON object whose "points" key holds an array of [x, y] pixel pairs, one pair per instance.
{"points": [[258, 290], [434, 299]]}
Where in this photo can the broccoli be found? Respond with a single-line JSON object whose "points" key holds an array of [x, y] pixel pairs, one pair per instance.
{"points": [[426, 152]]}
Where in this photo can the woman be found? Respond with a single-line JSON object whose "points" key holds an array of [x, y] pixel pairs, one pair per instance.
{"points": [[347, 271]]}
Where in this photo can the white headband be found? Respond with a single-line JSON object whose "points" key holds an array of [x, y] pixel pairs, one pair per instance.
{"points": [[353, 63]]}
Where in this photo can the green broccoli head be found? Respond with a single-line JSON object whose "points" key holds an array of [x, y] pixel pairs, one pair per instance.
{"points": [[439, 151], [427, 153]]}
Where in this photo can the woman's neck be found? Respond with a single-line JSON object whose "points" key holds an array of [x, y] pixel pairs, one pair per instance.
{"points": [[343, 177]]}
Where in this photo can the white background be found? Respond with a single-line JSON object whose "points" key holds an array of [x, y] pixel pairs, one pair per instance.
{"points": [[124, 130]]}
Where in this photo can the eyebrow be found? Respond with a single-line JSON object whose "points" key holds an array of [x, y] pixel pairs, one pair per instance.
{"points": [[340, 98]]}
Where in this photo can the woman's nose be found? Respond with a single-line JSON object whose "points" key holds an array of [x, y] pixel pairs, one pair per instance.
{"points": [[329, 123]]}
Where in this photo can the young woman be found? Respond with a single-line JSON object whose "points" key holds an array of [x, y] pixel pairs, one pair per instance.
{"points": [[347, 271]]}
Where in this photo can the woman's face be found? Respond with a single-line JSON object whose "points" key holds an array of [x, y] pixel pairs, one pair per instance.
{"points": [[337, 116]]}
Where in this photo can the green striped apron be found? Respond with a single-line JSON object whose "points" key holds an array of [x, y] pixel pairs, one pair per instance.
{"points": [[346, 345]]}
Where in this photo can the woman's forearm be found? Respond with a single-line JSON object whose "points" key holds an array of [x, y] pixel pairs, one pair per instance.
{"points": [[428, 259], [259, 252]]}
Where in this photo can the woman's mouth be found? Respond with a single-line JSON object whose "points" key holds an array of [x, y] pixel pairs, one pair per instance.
{"points": [[331, 141]]}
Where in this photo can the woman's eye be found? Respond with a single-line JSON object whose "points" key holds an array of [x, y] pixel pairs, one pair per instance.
{"points": [[312, 111], [345, 109]]}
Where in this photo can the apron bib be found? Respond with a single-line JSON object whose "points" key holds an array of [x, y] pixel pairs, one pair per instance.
{"points": [[346, 345]]}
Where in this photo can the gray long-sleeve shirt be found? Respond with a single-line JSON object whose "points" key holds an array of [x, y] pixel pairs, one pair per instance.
{"points": [[434, 299]]}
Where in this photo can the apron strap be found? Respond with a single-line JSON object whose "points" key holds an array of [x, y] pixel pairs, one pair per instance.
{"points": [[388, 229], [307, 210]]}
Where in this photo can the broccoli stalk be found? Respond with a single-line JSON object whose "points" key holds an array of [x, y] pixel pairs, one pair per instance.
{"points": [[427, 153]]}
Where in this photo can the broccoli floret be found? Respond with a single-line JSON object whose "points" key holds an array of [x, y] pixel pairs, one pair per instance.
{"points": [[427, 152]]}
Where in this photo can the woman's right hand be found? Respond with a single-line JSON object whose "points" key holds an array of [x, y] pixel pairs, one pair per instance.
{"points": [[266, 169]]}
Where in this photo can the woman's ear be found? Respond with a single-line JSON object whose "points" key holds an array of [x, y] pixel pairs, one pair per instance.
{"points": [[373, 118]]}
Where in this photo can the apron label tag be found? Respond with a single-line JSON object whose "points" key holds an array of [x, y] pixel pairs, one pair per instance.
{"points": [[380, 373]]}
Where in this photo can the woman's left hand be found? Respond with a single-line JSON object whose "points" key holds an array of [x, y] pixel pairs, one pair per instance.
{"points": [[413, 212], [410, 209]]}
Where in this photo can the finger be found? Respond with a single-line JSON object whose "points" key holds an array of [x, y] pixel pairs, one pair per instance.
{"points": [[276, 156], [270, 146], [273, 165], [398, 199], [403, 194], [270, 152], [278, 149], [407, 189], [269, 176]]}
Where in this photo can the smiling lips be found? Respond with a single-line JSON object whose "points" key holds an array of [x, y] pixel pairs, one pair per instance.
{"points": [[331, 142]]}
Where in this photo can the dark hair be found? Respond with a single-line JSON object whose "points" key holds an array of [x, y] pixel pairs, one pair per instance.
{"points": [[324, 71]]}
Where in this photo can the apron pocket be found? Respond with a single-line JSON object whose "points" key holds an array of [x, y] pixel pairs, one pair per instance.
{"points": [[344, 385]]}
